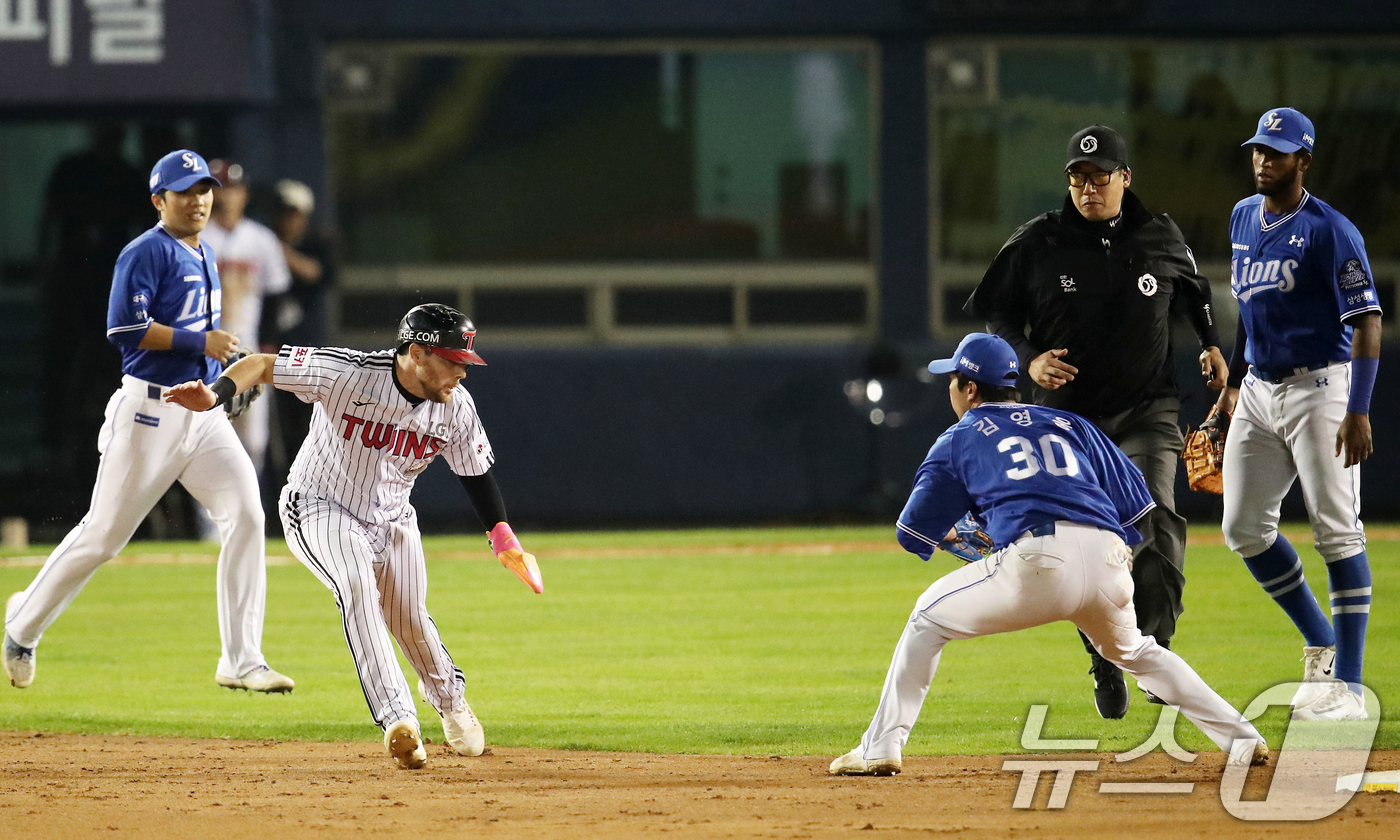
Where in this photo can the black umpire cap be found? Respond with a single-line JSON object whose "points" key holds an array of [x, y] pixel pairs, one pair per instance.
{"points": [[1099, 145]]}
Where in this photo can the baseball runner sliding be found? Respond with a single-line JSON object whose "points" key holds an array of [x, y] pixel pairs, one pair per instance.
{"points": [[379, 419]]}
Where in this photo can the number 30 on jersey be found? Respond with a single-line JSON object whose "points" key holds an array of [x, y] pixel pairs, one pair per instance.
{"points": [[1023, 453]]}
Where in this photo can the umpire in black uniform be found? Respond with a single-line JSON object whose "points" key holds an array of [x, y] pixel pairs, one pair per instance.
{"points": [[1085, 295]]}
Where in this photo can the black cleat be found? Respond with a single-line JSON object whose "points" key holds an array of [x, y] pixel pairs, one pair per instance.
{"points": [[1110, 690]]}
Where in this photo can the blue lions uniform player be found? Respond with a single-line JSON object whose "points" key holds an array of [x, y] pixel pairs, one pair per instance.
{"points": [[1059, 499], [1306, 354], [164, 315]]}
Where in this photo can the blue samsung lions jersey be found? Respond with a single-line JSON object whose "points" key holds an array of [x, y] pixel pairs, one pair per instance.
{"points": [[161, 279], [1017, 467], [1297, 279]]}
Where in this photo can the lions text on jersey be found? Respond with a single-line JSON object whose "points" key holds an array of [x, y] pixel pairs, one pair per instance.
{"points": [[1297, 278]]}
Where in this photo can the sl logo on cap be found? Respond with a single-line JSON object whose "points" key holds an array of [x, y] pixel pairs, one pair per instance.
{"points": [[190, 161], [1273, 121], [1089, 144]]}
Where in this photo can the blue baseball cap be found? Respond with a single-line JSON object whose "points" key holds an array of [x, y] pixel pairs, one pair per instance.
{"points": [[1285, 130], [180, 170], [983, 358]]}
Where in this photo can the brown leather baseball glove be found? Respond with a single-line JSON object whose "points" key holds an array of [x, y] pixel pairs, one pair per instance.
{"points": [[1204, 453]]}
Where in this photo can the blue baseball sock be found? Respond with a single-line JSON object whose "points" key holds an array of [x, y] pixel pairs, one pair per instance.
{"points": [[1350, 582], [1280, 572]]}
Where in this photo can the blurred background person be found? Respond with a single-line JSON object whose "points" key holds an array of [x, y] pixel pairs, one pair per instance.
{"points": [[301, 317], [94, 203], [252, 267]]}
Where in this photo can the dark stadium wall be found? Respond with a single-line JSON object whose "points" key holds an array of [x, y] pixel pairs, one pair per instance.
{"points": [[645, 437]]}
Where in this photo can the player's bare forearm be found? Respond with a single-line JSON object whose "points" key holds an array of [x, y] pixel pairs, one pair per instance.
{"points": [[245, 373], [157, 337], [218, 344], [255, 369], [1366, 336], [1227, 400]]}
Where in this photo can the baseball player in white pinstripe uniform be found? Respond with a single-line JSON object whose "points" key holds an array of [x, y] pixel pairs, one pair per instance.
{"points": [[379, 419]]}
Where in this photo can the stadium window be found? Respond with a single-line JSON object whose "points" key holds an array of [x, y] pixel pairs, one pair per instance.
{"points": [[563, 158]]}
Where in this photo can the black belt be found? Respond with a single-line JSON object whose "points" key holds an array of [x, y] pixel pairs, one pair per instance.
{"points": [[1046, 530], [1277, 375]]}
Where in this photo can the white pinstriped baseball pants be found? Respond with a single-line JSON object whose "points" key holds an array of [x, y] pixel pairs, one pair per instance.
{"points": [[380, 583], [1077, 574]]}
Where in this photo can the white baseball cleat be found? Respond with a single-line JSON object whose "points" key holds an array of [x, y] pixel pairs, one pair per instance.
{"points": [[261, 678], [1317, 675], [462, 730], [1338, 703], [19, 661], [404, 743], [1250, 753], [851, 764]]}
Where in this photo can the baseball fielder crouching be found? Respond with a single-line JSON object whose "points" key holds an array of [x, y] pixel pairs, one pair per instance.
{"points": [[1059, 500], [378, 420]]}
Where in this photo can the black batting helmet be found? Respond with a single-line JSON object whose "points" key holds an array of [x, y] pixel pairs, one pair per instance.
{"points": [[443, 330]]}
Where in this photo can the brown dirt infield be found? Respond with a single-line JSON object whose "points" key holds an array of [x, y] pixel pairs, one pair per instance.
{"points": [[65, 786]]}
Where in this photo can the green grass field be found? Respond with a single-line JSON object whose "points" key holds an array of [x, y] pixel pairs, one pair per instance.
{"points": [[726, 641]]}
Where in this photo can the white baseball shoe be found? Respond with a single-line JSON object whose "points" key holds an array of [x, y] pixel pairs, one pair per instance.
{"points": [[851, 764], [261, 678], [19, 661], [460, 727], [1338, 703], [404, 743], [1317, 675], [1249, 753]]}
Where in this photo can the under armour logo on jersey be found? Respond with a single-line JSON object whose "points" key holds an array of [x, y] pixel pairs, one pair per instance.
{"points": [[1021, 418], [1273, 121], [191, 162], [1322, 383], [1295, 240], [1089, 145], [1147, 284]]}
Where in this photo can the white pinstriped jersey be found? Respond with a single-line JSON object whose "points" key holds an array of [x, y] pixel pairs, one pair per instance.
{"points": [[368, 443]]}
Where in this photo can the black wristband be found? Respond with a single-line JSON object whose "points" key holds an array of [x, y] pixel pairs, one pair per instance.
{"points": [[224, 389]]}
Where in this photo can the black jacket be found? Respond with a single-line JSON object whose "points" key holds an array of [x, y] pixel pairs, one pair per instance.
{"points": [[1103, 290]]}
